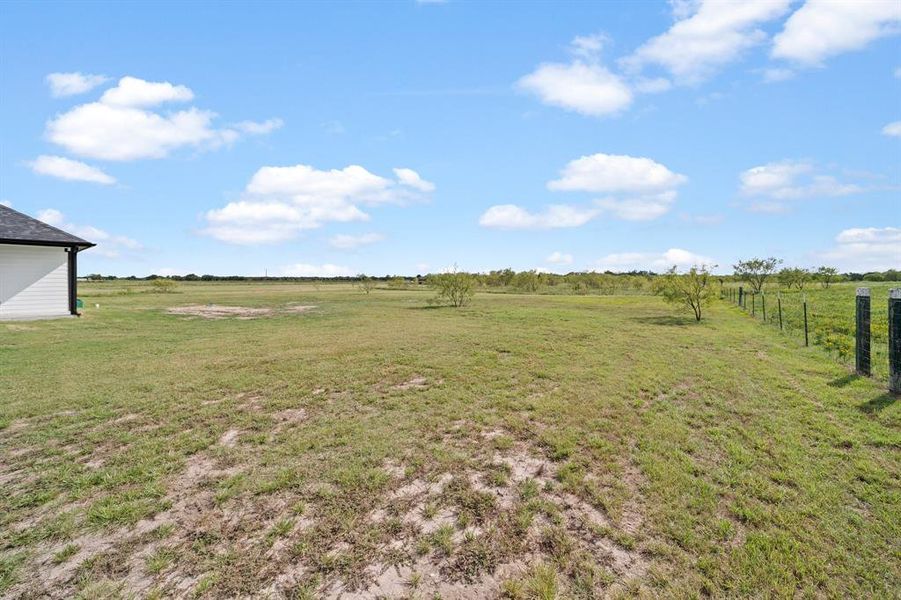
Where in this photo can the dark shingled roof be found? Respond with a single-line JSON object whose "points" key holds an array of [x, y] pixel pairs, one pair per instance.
{"points": [[18, 228]]}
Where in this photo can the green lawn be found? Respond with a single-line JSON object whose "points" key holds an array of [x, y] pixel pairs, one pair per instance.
{"points": [[526, 446]]}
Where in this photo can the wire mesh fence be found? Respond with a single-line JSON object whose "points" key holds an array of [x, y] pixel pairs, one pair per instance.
{"points": [[826, 318]]}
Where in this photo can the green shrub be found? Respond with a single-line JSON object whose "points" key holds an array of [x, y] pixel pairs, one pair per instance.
{"points": [[455, 288], [163, 285]]}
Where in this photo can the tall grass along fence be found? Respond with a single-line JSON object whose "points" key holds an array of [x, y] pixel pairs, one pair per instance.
{"points": [[861, 327]]}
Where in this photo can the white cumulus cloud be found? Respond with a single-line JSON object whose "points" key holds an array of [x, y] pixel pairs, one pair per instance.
{"points": [[555, 216], [651, 261], [613, 173], [583, 85], [559, 258], [866, 249], [892, 129], [66, 168], [71, 84], [583, 88], [636, 188], [639, 188], [132, 91], [706, 36], [411, 178], [121, 126], [261, 128], [824, 28], [108, 245], [280, 202], [778, 183]]}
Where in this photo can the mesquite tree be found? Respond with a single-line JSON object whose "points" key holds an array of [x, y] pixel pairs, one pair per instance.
{"points": [[826, 275], [365, 283], [756, 271], [455, 287], [794, 277], [693, 289]]}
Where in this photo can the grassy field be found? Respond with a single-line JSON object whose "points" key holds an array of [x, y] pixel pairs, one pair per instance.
{"points": [[523, 447]]}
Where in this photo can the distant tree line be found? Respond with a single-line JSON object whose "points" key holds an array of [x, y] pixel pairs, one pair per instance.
{"points": [[607, 282], [756, 272]]}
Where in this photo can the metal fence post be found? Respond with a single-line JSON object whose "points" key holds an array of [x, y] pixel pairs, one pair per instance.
{"points": [[753, 304], [806, 337], [763, 305], [894, 340], [779, 303], [741, 294], [862, 338]]}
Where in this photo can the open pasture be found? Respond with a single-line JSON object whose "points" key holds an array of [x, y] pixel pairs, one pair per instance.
{"points": [[526, 446]]}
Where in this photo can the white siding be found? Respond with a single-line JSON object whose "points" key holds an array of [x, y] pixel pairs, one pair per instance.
{"points": [[34, 282]]}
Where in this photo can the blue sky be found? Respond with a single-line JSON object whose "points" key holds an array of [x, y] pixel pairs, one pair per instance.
{"points": [[405, 137]]}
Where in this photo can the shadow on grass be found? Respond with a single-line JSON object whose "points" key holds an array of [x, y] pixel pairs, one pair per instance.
{"points": [[878, 403], [670, 321], [843, 381]]}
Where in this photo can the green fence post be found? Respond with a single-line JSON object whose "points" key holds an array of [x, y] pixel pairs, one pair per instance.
{"points": [[779, 303], [806, 337], [894, 340], [862, 337], [753, 304]]}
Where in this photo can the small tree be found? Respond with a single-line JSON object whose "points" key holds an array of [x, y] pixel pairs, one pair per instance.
{"points": [[365, 283], [456, 287], [826, 275], [756, 271], [693, 289], [794, 277]]}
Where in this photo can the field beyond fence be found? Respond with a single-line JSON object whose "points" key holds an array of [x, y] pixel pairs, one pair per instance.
{"points": [[830, 317]]}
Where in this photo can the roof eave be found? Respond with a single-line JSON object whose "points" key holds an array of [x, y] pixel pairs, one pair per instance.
{"points": [[81, 245]]}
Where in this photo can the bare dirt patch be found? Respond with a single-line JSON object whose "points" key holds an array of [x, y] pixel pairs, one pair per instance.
{"points": [[126, 418], [218, 311], [525, 465], [122, 552], [414, 383], [229, 439], [291, 415], [215, 311], [424, 579], [465, 532], [456, 529]]}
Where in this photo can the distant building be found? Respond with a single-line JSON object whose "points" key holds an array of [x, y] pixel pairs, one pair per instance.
{"points": [[38, 268]]}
